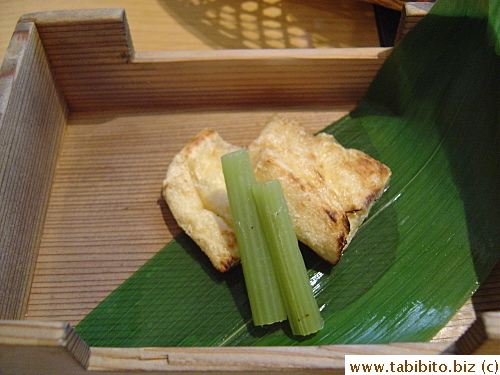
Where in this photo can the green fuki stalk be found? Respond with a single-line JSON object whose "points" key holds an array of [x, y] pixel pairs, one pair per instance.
{"points": [[262, 286], [301, 306]]}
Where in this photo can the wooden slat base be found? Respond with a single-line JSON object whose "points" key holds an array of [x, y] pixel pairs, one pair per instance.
{"points": [[58, 349]]}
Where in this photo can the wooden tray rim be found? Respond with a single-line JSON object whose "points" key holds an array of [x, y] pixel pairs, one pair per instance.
{"points": [[60, 335]]}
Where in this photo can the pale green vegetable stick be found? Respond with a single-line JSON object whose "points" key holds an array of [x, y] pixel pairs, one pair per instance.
{"points": [[263, 291], [300, 304]]}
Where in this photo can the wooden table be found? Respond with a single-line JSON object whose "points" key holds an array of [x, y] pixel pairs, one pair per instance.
{"points": [[223, 24]]}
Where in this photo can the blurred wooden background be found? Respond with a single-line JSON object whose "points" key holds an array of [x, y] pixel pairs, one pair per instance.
{"points": [[219, 24]]}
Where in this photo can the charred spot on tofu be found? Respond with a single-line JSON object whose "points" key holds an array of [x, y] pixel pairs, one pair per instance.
{"points": [[329, 189]]}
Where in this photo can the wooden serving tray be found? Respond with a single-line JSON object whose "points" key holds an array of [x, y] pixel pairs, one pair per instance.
{"points": [[88, 126]]}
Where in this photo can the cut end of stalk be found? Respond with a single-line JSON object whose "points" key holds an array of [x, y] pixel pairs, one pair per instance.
{"points": [[274, 270], [301, 306], [265, 298]]}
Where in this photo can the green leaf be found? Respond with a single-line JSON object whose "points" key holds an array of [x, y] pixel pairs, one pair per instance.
{"points": [[431, 115]]}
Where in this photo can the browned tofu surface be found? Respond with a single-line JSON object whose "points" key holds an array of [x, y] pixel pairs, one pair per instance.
{"points": [[329, 189]]}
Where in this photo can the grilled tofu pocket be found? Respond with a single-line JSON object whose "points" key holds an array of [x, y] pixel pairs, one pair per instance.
{"points": [[329, 189], [195, 192]]}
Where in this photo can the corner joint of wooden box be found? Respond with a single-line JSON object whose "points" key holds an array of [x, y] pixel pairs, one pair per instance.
{"points": [[80, 28]]}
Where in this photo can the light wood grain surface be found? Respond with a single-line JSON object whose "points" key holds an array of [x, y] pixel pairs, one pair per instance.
{"points": [[57, 349], [120, 161], [220, 24], [101, 150]]}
